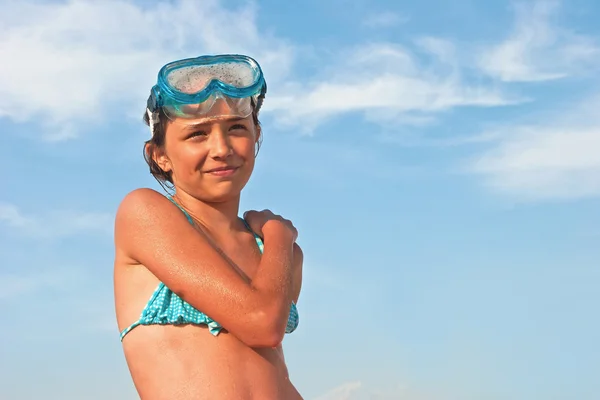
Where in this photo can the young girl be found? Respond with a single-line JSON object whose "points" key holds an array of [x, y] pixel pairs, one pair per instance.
{"points": [[203, 297]]}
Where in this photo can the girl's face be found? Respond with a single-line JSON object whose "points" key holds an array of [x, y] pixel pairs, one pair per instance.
{"points": [[212, 161]]}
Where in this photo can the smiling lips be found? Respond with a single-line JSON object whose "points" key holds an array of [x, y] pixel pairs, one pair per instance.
{"points": [[223, 171]]}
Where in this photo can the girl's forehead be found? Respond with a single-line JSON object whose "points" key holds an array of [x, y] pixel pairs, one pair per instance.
{"points": [[205, 122]]}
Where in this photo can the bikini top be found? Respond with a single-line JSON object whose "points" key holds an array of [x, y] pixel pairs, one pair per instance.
{"points": [[166, 308]]}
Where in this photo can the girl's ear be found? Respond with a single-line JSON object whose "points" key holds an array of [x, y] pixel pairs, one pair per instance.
{"points": [[258, 132], [159, 157]]}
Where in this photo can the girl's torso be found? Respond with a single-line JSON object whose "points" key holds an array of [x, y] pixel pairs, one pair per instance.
{"points": [[187, 361]]}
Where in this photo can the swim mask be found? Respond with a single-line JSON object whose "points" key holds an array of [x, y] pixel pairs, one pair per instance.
{"points": [[208, 87]]}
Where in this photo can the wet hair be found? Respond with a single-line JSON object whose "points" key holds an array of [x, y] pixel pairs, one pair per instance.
{"points": [[157, 141]]}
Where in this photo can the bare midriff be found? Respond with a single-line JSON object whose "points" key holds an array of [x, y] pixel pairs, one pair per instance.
{"points": [[187, 362]]}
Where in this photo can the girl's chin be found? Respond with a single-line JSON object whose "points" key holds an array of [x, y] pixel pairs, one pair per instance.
{"points": [[220, 196]]}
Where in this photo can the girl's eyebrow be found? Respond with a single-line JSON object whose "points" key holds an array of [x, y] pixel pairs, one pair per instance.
{"points": [[196, 125]]}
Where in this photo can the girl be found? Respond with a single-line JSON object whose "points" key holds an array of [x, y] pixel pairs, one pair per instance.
{"points": [[203, 298]]}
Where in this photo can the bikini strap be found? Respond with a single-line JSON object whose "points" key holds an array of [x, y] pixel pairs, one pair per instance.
{"points": [[189, 218], [258, 239]]}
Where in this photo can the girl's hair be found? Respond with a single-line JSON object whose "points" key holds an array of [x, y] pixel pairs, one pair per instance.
{"points": [[157, 141]]}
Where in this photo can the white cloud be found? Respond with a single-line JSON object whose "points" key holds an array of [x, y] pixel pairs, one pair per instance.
{"points": [[557, 159], [71, 61], [537, 49], [342, 392], [416, 140], [65, 62], [55, 224], [388, 80], [384, 20], [442, 49], [356, 390]]}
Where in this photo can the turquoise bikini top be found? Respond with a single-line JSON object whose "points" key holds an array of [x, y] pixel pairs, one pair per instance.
{"points": [[166, 308]]}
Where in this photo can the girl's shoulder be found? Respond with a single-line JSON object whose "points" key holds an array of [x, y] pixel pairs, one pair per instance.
{"points": [[142, 196], [140, 208]]}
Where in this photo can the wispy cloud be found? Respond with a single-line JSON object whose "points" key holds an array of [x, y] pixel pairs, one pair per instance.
{"points": [[54, 224], [384, 20], [342, 392], [90, 56], [389, 80], [538, 49], [70, 60], [356, 390], [415, 140], [557, 159], [94, 55]]}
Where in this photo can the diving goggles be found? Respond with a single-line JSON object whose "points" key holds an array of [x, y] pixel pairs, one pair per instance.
{"points": [[209, 87]]}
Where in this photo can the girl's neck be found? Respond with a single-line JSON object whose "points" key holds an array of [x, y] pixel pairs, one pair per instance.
{"points": [[221, 217]]}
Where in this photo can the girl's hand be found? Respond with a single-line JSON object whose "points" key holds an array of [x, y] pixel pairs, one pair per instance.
{"points": [[265, 224]]}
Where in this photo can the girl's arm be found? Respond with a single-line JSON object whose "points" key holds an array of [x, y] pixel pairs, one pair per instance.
{"points": [[155, 233]]}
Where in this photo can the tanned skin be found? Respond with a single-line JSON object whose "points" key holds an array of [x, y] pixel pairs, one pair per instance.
{"points": [[214, 265]]}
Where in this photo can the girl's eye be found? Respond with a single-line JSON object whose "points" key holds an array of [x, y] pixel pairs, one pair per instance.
{"points": [[196, 134], [237, 126]]}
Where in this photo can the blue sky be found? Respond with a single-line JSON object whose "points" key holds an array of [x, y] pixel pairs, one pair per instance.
{"points": [[440, 159]]}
